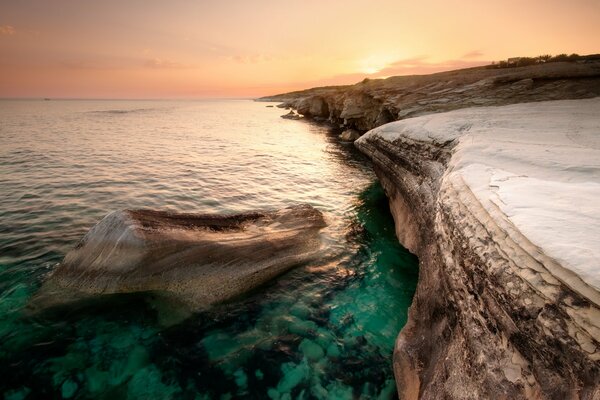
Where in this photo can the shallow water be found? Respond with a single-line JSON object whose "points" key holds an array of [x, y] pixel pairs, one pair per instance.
{"points": [[323, 330]]}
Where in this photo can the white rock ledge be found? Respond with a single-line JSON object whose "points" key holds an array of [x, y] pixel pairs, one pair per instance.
{"points": [[534, 167], [502, 206]]}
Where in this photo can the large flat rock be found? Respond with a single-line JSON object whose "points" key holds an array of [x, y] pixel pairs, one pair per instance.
{"points": [[501, 206], [198, 260], [535, 168]]}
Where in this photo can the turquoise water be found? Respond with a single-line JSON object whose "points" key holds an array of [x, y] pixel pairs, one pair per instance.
{"points": [[323, 330]]}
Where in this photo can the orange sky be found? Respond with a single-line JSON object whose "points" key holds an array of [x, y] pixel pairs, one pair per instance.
{"points": [[237, 48]]}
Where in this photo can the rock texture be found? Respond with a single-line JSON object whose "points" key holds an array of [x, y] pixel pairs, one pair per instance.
{"points": [[198, 260], [372, 103], [501, 206]]}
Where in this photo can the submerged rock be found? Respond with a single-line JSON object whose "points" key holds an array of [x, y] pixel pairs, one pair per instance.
{"points": [[349, 135], [291, 115], [501, 206], [198, 260]]}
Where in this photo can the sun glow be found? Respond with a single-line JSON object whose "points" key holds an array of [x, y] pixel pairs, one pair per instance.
{"points": [[192, 49], [375, 63], [371, 70]]}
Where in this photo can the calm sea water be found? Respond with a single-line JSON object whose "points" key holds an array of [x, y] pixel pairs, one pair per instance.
{"points": [[324, 330]]}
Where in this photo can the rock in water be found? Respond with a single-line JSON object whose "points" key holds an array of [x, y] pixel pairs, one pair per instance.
{"points": [[350, 135], [291, 115], [199, 260]]}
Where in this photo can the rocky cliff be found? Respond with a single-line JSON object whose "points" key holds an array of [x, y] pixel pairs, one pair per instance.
{"points": [[500, 205], [372, 103]]}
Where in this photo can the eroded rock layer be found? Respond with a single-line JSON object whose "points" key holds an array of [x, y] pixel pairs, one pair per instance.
{"points": [[500, 205], [197, 259]]}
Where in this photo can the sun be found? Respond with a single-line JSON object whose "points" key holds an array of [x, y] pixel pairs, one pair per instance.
{"points": [[374, 63], [370, 70]]}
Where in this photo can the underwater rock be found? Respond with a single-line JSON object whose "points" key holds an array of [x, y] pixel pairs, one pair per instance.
{"points": [[198, 260], [349, 135]]}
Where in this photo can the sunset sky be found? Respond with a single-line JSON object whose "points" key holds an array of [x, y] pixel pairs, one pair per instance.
{"points": [[235, 48]]}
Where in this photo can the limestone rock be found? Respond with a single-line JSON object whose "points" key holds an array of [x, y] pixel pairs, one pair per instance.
{"points": [[199, 260], [500, 204], [291, 115], [314, 106]]}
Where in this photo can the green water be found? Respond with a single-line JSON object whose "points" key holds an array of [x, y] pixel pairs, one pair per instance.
{"points": [[324, 330]]}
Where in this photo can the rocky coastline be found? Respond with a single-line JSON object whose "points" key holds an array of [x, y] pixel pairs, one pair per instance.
{"points": [[497, 313], [374, 102]]}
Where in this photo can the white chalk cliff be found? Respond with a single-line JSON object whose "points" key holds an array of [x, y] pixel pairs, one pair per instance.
{"points": [[502, 206]]}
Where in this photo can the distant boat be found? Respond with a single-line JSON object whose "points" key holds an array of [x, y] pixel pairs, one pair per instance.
{"points": [[46, 99]]}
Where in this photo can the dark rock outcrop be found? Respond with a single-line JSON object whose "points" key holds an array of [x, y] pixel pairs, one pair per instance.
{"points": [[291, 115], [198, 260], [375, 102]]}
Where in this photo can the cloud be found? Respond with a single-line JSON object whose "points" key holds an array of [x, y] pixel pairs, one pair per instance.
{"points": [[420, 66], [7, 30], [121, 63], [251, 59], [82, 65], [159, 63], [472, 54], [99, 63], [412, 66]]}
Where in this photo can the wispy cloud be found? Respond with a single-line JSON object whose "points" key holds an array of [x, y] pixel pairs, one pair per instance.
{"points": [[82, 65], [99, 63], [251, 59], [412, 66], [7, 30], [159, 63], [132, 63], [420, 65], [472, 54]]}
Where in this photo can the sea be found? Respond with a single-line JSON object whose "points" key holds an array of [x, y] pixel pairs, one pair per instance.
{"points": [[324, 330]]}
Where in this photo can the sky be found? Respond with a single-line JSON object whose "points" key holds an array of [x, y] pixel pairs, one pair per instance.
{"points": [[250, 48]]}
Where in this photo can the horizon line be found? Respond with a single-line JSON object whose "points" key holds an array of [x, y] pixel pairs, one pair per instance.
{"points": [[41, 98]]}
